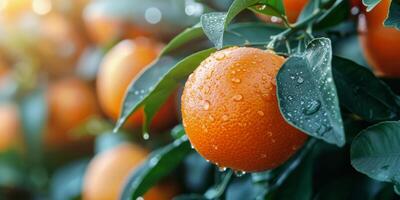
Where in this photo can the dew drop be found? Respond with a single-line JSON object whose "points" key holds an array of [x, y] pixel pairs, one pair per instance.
{"points": [[140, 198], [239, 173], [225, 118], [146, 136], [136, 92], [215, 147], [236, 80], [221, 169], [219, 56], [269, 133], [273, 140], [300, 80], [261, 113], [237, 97], [211, 118], [312, 107], [323, 129], [206, 105], [191, 146]]}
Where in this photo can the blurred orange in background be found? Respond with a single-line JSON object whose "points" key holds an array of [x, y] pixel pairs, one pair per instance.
{"points": [[71, 102], [119, 68]]}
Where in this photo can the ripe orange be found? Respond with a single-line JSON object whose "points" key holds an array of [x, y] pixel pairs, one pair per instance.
{"points": [[71, 102], [293, 8], [9, 126], [380, 44], [230, 111], [120, 66], [108, 171]]}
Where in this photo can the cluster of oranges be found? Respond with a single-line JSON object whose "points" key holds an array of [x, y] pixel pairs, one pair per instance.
{"points": [[229, 106], [49, 38]]}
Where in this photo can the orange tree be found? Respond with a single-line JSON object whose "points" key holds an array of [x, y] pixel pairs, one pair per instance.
{"points": [[247, 109]]}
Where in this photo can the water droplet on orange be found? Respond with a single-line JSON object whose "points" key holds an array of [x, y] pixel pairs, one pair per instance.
{"points": [[236, 80], [225, 118], [261, 113], [206, 105], [237, 97]]}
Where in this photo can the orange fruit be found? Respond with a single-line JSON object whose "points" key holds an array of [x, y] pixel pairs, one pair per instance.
{"points": [[9, 126], [59, 44], [230, 111], [120, 66], [108, 171], [380, 44], [293, 9], [71, 102]]}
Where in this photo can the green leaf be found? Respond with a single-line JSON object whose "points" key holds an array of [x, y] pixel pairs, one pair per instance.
{"points": [[244, 188], [67, 182], [162, 77], [270, 7], [186, 36], [298, 184], [376, 152], [33, 111], [190, 197], [335, 13], [159, 164], [393, 19], [214, 24], [362, 93], [307, 94], [214, 27], [109, 140], [12, 169], [218, 189], [370, 4]]}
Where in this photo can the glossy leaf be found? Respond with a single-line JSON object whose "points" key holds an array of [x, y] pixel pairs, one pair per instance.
{"points": [[376, 152], [298, 184], [214, 24], [307, 93], [244, 188], [336, 12], [159, 164], [362, 93], [370, 4], [270, 7], [393, 19]]}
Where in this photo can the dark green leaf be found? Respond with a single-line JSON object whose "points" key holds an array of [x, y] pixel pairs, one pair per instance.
{"points": [[190, 197], [336, 12], [376, 152], [393, 19], [270, 7], [67, 182], [159, 164], [186, 36], [362, 93], [12, 169], [217, 190], [370, 4], [307, 93], [244, 188], [298, 184], [397, 189]]}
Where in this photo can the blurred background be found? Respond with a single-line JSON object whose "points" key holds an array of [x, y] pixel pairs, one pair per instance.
{"points": [[64, 68]]}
